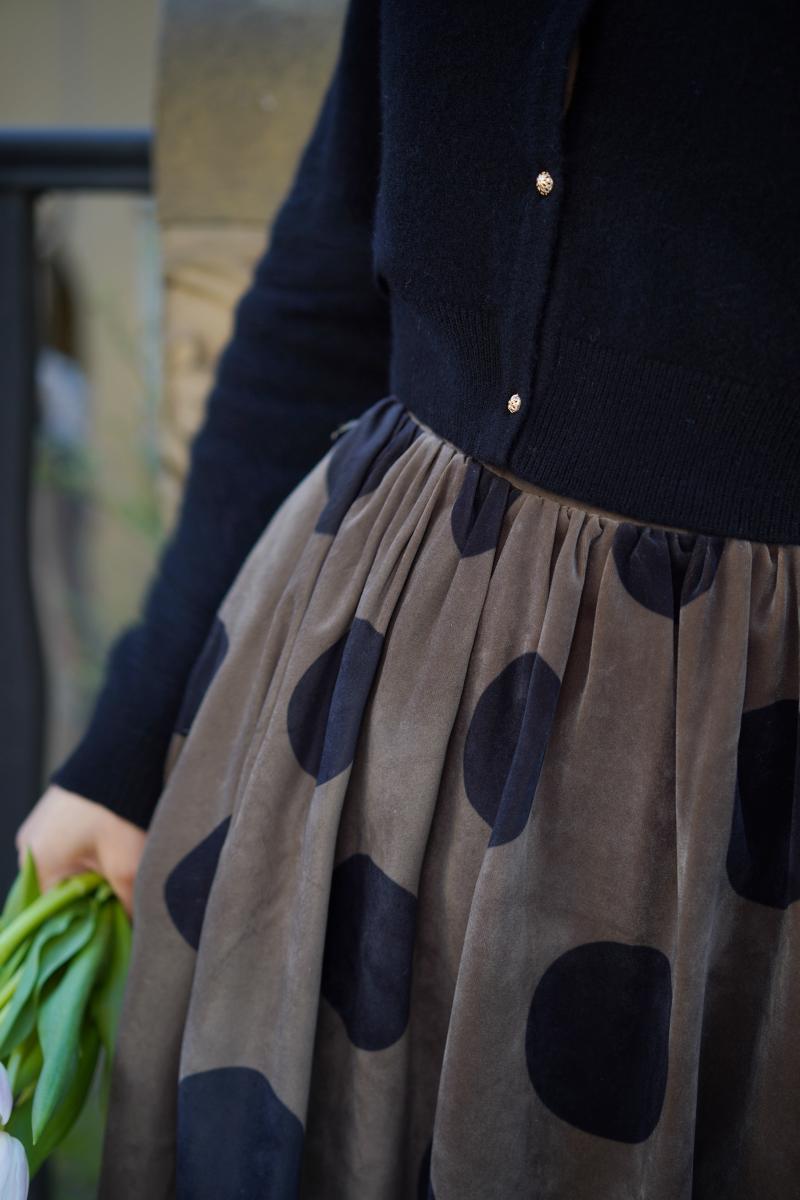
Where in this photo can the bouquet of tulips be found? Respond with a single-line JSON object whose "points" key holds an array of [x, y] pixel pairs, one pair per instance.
{"points": [[63, 964]]}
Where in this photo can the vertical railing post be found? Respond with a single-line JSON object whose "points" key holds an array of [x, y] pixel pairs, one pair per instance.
{"points": [[22, 690]]}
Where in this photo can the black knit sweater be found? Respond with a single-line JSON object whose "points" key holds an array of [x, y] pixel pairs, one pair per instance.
{"points": [[644, 309]]}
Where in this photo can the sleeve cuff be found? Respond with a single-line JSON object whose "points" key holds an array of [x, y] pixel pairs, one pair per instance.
{"points": [[111, 768]]}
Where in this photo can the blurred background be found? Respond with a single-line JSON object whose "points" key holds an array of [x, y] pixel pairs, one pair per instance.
{"points": [[144, 149]]}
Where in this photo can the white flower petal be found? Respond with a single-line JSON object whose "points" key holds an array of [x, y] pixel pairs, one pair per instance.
{"points": [[14, 1175], [6, 1098]]}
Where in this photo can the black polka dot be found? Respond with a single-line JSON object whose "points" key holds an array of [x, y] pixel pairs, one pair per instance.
{"points": [[203, 671], [326, 707], [235, 1138], [362, 456], [763, 859], [597, 1038], [477, 514], [369, 942], [664, 569], [506, 742], [424, 1185], [187, 887]]}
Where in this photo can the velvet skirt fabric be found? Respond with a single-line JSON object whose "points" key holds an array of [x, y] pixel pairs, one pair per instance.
{"points": [[476, 868]]}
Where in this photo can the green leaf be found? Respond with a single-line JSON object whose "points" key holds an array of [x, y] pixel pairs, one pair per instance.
{"points": [[59, 938], [27, 974], [106, 1001], [61, 948], [59, 1020], [43, 907], [23, 891], [67, 1111]]}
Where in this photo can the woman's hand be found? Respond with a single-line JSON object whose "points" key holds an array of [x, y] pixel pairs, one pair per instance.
{"points": [[68, 833]]}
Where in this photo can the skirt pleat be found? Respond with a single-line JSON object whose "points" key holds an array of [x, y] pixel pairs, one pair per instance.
{"points": [[476, 866]]}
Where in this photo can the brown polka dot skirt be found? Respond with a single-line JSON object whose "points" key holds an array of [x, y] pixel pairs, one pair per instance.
{"points": [[476, 868]]}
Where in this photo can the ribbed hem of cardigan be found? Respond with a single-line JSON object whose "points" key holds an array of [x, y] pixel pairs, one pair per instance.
{"points": [[653, 440], [604, 417]]}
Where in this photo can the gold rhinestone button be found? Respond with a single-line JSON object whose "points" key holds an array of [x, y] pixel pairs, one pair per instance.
{"points": [[514, 402], [544, 183]]}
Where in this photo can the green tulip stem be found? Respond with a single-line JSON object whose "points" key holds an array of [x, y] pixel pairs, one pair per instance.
{"points": [[25, 1094], [8, 989], [45, 906]]}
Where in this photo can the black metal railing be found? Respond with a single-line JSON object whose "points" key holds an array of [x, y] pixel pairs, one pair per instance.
{"points": [[34, 162]]}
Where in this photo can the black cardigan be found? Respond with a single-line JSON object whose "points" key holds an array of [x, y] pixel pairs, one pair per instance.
{"points": [[644, 309]]}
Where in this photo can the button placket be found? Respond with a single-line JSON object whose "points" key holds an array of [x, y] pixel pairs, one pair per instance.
{"points": [[544, 186], [530, 360]]}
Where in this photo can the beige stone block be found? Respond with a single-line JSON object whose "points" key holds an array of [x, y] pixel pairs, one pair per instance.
{"points": [[205, 270]]}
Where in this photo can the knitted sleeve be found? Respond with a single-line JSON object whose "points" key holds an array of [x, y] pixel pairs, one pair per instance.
{"points": [[309, 350]]}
